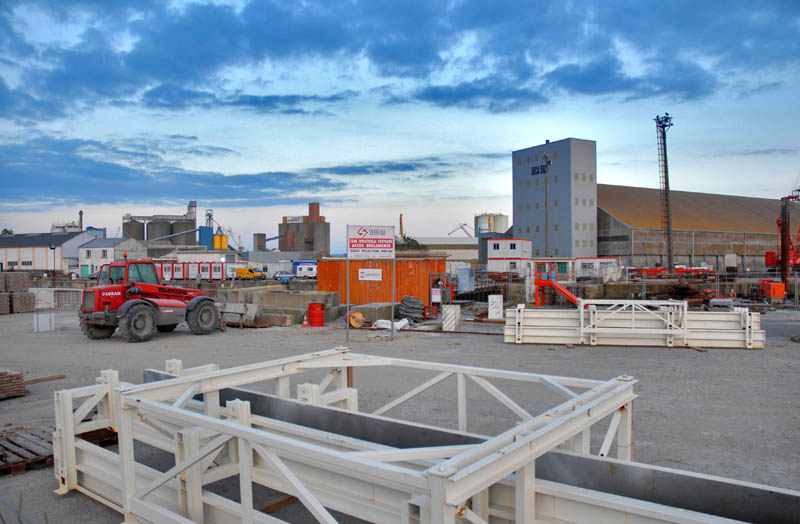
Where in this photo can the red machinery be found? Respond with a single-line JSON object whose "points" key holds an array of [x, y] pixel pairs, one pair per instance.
{"points": [[130, 295], [786, 243]]}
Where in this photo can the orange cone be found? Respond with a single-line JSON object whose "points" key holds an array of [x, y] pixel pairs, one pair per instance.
{"points": [[305, 320]]}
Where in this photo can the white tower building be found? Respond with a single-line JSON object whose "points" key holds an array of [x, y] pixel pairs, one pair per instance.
{"points": [[560, 198]]}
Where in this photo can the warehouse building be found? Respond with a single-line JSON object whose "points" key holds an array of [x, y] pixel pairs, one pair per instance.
{"points": [[705, 227], [42, 251]]}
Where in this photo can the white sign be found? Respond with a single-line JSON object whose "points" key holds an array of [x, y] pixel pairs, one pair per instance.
{"points": [[369, 242], [436, 295], [293, 220], [370, 274]]}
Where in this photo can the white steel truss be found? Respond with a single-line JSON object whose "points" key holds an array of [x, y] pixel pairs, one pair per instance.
{"points": [[472, 478], [666, 323]]}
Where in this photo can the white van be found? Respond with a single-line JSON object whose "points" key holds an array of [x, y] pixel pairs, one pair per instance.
{"points": [[306, 271]]}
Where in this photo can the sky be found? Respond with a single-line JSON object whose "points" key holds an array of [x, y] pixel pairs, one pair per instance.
{"points": [[255, 108]]}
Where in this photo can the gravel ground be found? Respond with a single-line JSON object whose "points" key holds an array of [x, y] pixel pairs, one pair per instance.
{"points": [[734, 413]]}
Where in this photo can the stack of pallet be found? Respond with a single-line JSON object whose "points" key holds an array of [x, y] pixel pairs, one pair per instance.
{"points": [[11, 384], [17, 281], [23, 302], [5, 303]]}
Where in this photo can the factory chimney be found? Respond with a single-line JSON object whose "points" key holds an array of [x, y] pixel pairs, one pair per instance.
{"points": [[80, 219]]}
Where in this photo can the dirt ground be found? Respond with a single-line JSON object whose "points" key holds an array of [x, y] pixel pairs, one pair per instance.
{"points": [[734, 413]]}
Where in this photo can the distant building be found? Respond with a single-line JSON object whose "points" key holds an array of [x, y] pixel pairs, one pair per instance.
{"points": [[42, 251], [305, 233], [705, 227], [460, 251], [99, 251], [561, 197], [509, 255]]}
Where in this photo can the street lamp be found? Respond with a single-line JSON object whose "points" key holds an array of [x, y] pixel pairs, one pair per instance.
{"points": [[53, 249], [547, 162]]}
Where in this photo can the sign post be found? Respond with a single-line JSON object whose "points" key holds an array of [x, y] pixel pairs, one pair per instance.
{"points": [[370, 243]]}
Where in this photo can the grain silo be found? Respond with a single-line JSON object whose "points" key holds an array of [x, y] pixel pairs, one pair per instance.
{"points": [[159, 229], [133, 229], [184, 238], [491, 223]]}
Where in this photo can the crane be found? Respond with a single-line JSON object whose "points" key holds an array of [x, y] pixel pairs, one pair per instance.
{"points": [[463, 227]]}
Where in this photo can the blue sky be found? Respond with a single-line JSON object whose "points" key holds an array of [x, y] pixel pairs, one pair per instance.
{"points": [[253, 108]]}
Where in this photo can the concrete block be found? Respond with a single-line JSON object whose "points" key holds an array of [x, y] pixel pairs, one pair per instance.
{"points": [[335, 312], [373, 312]]}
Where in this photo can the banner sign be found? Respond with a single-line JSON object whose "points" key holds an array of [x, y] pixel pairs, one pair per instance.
{"points": [[370, 242]]}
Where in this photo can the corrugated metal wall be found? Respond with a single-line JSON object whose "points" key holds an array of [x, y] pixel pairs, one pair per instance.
{"points": [[412, 277]]}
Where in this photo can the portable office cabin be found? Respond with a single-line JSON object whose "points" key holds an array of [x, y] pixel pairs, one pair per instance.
{"points": [[413, 273]]}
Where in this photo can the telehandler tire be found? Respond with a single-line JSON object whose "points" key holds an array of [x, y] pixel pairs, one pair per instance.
{"points": [[203, 319], [138, 324], [96, 332]]}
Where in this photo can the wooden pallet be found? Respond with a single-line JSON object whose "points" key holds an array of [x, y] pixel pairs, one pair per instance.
{"points": [[24, 449]]}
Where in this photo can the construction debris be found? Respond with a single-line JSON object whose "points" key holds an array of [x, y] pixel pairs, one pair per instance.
{"points": [[411, 308], [12, 384]]}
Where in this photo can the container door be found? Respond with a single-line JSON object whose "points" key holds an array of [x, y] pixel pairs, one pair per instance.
{"points": [[205, 271], [167, 270], [194, 269], [216, 271], [177, 271]]}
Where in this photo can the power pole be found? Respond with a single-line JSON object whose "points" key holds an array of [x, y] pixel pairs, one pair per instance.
{"points": [[663, 123]]}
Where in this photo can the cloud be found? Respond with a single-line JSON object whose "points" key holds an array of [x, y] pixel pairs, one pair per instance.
{"points": [[466, 54], [374, 168], [58, 171], [493, 94]]}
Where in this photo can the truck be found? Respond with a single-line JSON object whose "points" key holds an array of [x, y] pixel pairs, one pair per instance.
{"points": [[129, 295]]}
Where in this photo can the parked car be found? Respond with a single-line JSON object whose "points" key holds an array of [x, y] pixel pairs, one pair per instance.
{"points": [[283, 277]]}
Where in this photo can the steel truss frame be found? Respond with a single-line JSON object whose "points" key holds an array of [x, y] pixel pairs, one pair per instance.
{"points": [[666, 323], [488, 479]]}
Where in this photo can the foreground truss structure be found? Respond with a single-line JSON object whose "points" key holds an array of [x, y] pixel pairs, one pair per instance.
{"points": [[319, 448]]}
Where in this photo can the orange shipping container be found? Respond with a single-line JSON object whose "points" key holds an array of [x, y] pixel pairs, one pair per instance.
{"points": [[412, 276]]}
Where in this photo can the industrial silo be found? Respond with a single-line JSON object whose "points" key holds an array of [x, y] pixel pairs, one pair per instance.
{"points": [[259, 242], [184, 239], [133, 229], [491, 223], [158, 229]]}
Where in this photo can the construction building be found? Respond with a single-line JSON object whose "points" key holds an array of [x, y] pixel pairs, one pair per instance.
{"points": [[305, 233]]}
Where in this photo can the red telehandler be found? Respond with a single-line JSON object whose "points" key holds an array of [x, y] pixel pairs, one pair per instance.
{"points": [[129, 295]]}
